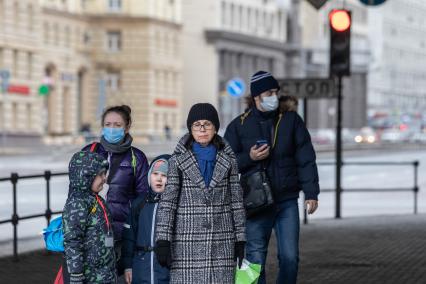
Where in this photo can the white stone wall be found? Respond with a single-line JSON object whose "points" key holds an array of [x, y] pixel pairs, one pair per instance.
{"points": [[397, 74]]}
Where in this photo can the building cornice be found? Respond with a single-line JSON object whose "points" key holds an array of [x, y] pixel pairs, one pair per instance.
{"points": [[215, 36], [109, 17]]}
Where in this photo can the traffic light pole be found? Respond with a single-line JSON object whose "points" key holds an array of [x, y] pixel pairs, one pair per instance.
{"points": [[339, 148]]}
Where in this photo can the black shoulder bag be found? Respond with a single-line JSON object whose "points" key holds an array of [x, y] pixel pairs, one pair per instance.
{"points": [[256, 186]]}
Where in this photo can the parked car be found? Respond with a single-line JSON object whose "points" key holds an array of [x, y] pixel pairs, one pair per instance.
{"points": [[323, 136], [419, 137], [366, 135], [395, 136]]}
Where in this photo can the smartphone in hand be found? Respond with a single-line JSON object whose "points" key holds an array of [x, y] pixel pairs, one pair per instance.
{"points": [[261, 142]]}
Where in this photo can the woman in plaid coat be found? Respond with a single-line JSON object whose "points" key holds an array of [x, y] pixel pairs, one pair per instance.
{"points": [[201, 221]]}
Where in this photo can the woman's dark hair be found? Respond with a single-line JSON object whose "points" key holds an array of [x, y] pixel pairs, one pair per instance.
{"points": [[217, 141], [124, 110]]}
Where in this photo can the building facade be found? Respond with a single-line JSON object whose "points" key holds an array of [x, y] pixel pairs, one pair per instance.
{"points": [[230, 39], [91, 54], [20, 65], [397, 79]]}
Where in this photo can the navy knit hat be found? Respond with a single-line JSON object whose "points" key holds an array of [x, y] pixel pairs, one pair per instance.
{"points": [[262, 81], [203, 111]]}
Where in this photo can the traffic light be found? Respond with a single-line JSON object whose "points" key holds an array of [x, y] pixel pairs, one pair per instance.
{"points": [[340, 42]]}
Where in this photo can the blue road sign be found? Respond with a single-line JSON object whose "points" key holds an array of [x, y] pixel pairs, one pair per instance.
{"points": [[236, 87], [4, 75], [372, 2]]}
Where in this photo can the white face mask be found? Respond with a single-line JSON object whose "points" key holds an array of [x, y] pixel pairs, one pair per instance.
{"points": [[269, 103]]}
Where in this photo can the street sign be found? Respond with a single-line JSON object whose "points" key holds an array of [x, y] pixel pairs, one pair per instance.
{"points": [[4, 75], [317, 3], [236, 87], [372, 2], [310, 88]]}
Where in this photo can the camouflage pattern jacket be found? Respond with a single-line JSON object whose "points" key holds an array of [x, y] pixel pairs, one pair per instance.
{"points": [[89, 259]]}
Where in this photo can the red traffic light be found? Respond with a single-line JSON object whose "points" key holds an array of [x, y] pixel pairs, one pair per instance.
{"points": [[340, 20]]}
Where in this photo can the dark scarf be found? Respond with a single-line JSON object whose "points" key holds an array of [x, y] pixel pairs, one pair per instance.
{"points": [[119, 148], [206, 158]]}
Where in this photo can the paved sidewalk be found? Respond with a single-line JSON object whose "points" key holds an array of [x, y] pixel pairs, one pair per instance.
{"points": [[375, 250]]}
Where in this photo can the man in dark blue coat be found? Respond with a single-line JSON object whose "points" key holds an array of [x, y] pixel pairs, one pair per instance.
{"points": [[289, 160]]}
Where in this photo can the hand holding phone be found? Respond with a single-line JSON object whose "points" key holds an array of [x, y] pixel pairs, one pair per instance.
{"points": [[261, 142]]}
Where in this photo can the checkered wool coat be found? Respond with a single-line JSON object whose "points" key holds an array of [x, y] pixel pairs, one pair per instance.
{"points": [[202, 223]]}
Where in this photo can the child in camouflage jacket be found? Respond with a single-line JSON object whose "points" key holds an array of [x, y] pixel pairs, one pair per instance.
{"points": [[88, 237]]}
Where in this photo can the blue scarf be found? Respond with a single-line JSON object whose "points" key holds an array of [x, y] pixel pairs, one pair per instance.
{"points": [[206, 158]]}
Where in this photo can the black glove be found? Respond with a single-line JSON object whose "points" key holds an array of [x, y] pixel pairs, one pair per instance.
{"points": [[163, 253], [239, 252]]}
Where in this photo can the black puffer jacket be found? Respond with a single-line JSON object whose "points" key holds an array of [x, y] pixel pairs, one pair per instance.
{"points": [[291, 166]]}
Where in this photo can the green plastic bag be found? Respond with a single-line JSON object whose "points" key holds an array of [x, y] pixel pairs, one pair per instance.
{"points": [[248, 273]]}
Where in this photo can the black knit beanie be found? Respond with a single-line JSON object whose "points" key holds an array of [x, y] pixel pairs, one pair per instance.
{"points": [[203, 111], [262, 81]]}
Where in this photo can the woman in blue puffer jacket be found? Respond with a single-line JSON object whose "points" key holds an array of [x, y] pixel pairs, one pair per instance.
{"points": [[127, 175]]}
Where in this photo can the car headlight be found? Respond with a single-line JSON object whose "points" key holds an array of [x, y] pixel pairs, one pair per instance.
{"points": [[358, 139], [371, 139]]}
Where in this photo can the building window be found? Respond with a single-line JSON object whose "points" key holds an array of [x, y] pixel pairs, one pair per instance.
{"points": [[56, 34], [29, 65], [30, 17], [16, 14], [113, 81], [46, 33], [67, 36], [223, 13], [29, 111], [113, 41], [1, 9], [114, 5], [15, 63]]}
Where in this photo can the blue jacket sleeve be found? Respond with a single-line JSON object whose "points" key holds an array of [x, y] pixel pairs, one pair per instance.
{"points": [[243, 156], [142, 168], [306, 161]]}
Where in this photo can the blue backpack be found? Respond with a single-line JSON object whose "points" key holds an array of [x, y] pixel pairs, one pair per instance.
{"points": [[53, 235]]}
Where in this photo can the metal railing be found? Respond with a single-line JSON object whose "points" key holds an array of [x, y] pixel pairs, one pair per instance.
{"points": [[414, 188], [14, 178]]}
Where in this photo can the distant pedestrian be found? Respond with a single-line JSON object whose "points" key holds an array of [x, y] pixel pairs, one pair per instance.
{"points": [[139, 260], [201, 220], [88, 234], [277, 145], [167, 132], [127, 175]]}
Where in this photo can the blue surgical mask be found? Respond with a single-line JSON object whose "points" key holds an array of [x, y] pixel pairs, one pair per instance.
{"points": [[113, 135], [269, 103]]}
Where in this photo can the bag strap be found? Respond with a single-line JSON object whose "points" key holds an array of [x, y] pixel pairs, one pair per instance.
{"points": [[244, 116], [94, 147], [276, 130]]}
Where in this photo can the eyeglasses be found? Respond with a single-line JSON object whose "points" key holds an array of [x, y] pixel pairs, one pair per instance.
{"points": [[206, 126]]}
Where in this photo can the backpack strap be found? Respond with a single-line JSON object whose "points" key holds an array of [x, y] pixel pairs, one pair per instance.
{"points": [[134, 161], [94, 147]]}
